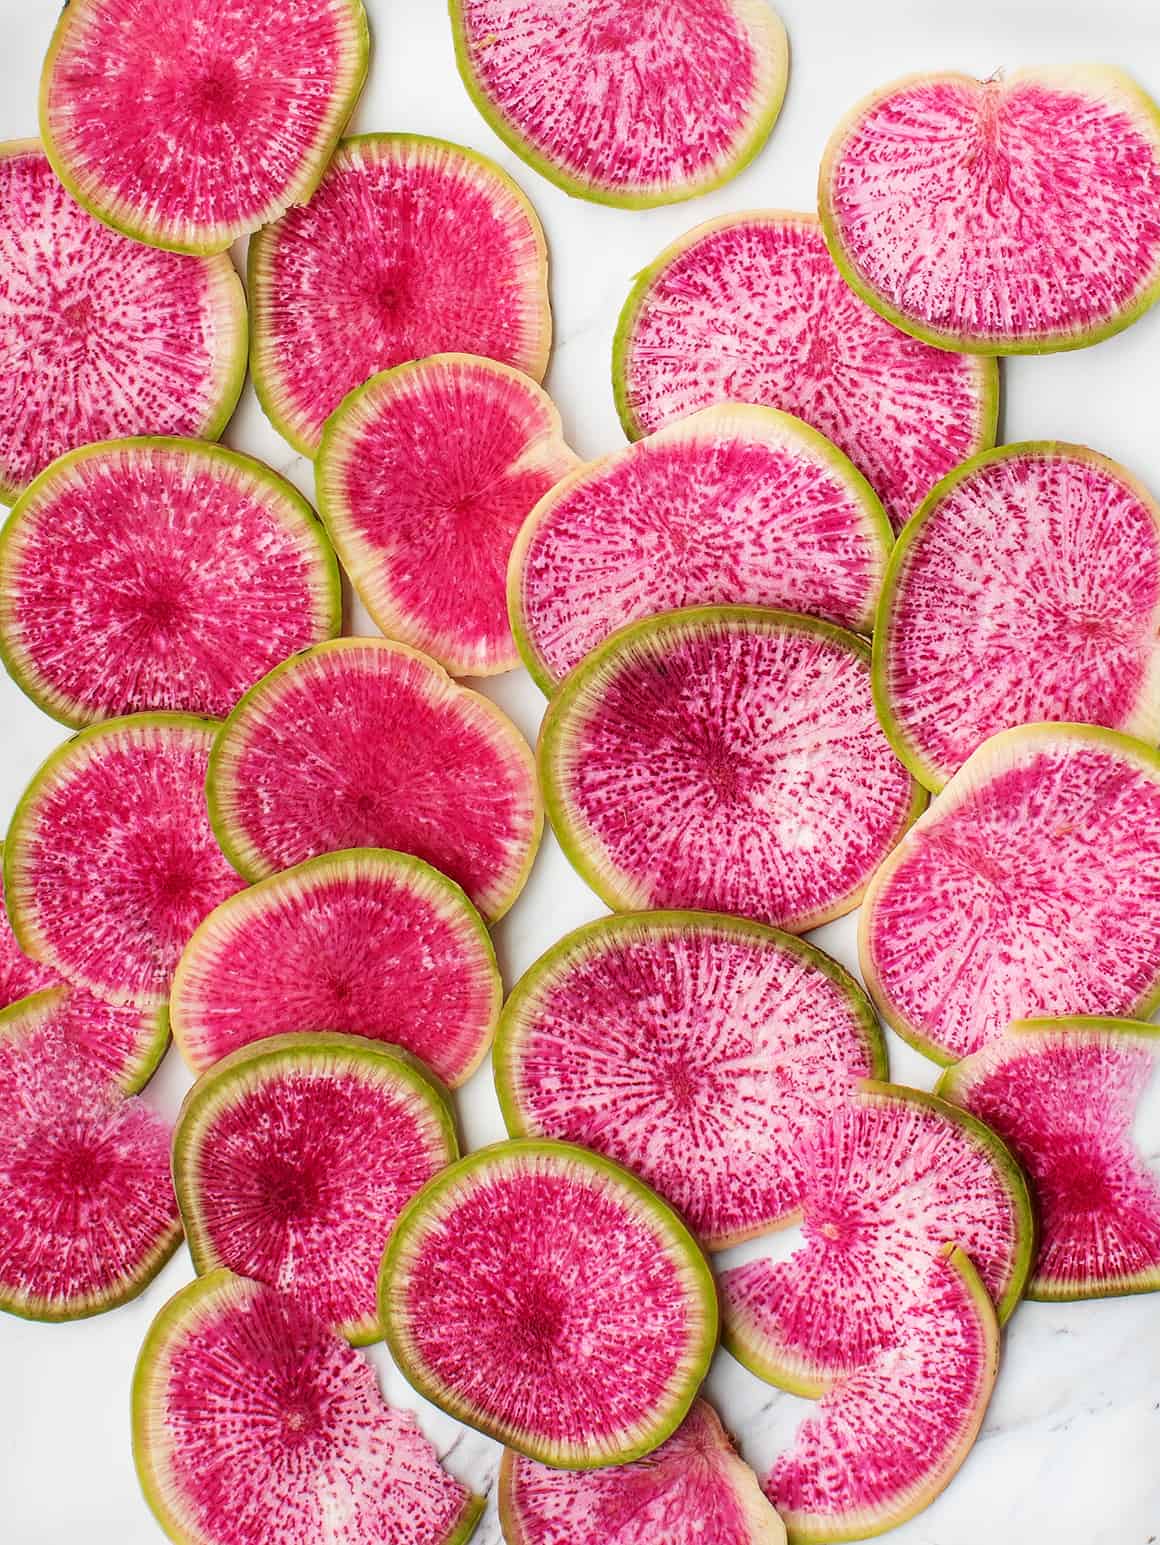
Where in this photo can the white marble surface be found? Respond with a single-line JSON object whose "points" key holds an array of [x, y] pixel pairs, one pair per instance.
{"points": [[1071, 1450]]}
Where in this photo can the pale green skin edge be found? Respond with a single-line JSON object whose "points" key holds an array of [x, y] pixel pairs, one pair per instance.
{"points": [[1046, 343], [267, 382], [325, 576], [554, 730], [220, 238], [933, 778], [681, 1245], [1147, 757], [957, 1082], [813, 441], [775, 41], [587, 941]]}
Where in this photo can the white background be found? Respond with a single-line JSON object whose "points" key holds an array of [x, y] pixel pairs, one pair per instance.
{"points": [[1071, 1451]]}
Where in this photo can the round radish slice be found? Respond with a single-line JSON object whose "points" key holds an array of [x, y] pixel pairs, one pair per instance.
{"points": [[622, 101], [1030, 887], [1027, 588], [1064, 1094], [89, 1212], [888, 1179], [410, 247], [20, 975], [425, 476], [693, 1490], [252, 1422], [365, 743], [548, 1298], [110, 862], [750, 308], [99, 335], [159, 574], [190, 124], [696, 1049], [1011, 216], [294, 1156], [369, 942], [728, 759], [735, 504]]}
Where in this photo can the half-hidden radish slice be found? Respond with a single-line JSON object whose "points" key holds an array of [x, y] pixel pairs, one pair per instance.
{"points": [[733, 504]]}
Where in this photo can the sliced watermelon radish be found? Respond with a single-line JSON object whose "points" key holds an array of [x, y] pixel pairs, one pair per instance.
{"points": [[110, 862], [159, 574], [727, 759], [623, 101], [696, 1049], [1027, 588], [89, 1212], [189, 124], [410, 247], [1016, 215], [1030, 887], [750, 308], [254, 1423], [734, 504], [547, 1297], [367, 942], [100, 336], [20, 975], [693, 1490], [1064, 1094], [366, 743], [425, 476]]}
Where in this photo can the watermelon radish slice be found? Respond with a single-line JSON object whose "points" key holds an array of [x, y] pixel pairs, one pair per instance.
{"points": [[696, 1049], [544, 1295], [20, 975], [1064, 1094], [726, 759], [410, 247], [189, 125], [368, 942], [425, 476], [734, 504], [693, 1490], [622, 101], [159, 574], [1030, 887], [365, 743], [253, 1422], [1017, 215], [1027, 588], [293, 1157], [100, 336], [110, 862], [750, 308], [89, 1212]]}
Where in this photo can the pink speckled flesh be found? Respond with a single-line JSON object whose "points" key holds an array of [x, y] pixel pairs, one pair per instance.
{"points": [[20, 975]]}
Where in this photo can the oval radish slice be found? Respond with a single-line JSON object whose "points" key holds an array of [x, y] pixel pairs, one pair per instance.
{"points": [[621, 101], [1011, 216], [159, 574], [545, 1296], [1030, 887], [410, 247], [110, 862], [252, 1422], [374, 943], [1027, 588], [750, 308], [190, 124], [99, 335], [425, 476], [728, 759], [1063, 1094], [694, 1048], [365, 743], [734, 504]]}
